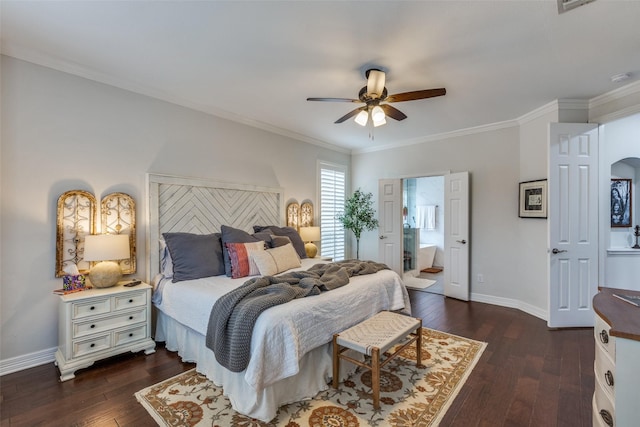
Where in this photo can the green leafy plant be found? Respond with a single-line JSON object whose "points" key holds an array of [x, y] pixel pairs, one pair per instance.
{"points": [[359, 215]]}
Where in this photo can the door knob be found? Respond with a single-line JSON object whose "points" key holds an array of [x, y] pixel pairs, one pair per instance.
{"points": [[383, 237], [557, 251], [462, 241]]}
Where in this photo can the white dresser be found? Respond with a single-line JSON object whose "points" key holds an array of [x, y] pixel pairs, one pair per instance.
{"points": [[98, 323], [616, 399]]}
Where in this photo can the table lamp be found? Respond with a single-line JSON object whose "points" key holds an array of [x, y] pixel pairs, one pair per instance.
{"points": [[310, 235], [107, 249]]}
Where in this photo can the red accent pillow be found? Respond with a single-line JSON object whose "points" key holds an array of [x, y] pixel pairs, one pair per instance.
{"points": [[240, 256]]}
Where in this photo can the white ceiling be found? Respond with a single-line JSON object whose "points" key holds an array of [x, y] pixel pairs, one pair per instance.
{"points": [[258, 61]]}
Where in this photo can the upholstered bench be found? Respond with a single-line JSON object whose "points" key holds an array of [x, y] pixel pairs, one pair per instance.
{"points": [[374, 337]]}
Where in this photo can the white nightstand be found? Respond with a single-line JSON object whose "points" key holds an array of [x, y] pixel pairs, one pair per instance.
{"points": [[98, 323]]}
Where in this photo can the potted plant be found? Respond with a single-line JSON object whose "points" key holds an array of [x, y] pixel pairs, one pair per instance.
{"points": [[358, 215]]}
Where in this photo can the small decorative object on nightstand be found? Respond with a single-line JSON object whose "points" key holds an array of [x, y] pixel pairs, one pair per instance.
{"points": [[100, 323], [637, 234], [310, 235], [106, 248]]}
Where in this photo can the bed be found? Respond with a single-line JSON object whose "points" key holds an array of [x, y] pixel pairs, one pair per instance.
{"points": [[290, 354]]}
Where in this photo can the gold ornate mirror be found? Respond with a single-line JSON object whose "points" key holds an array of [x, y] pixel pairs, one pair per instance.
{"points": [[119, 217], [293, 215], [76, 217]]}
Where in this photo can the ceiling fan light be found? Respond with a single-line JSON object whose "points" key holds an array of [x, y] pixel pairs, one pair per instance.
{"points": [[377, 115], [362, 118], [375, 83]]}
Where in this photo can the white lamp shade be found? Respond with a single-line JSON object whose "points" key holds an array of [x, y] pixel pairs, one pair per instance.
{"points": [[106, 247], [310, 234], [378, 116], [362, 118]]}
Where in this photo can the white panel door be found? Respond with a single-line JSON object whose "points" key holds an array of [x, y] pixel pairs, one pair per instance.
{"points": [[573, 223], [390, 217], [456, 236]]}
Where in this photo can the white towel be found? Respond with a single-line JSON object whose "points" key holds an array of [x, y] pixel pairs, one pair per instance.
{"points": [[426, 217]]}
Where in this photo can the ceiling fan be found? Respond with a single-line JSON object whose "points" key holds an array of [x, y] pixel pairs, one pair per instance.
{"points": [[374, 96]]}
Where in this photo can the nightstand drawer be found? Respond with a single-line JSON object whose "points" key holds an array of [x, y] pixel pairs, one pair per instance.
{"points": [[91, 308], [130, 335], [81, 348], [81, 329], [131, 300]]}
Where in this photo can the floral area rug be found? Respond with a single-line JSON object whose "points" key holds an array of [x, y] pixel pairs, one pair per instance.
{"points": [[409, 395]]}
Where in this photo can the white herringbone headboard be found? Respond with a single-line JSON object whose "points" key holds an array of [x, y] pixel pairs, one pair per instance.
{"points": [[201, 206]]}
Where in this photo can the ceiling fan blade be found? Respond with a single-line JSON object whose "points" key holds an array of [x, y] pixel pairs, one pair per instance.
{"points": [[334, 99], [350, 114], [417, 94], [393, 112]]}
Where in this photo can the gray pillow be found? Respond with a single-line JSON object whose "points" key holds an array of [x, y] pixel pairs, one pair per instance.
{"points": [[233, 235], [195, 255], [290, 232]]}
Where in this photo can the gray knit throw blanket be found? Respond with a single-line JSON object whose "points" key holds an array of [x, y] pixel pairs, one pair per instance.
{"points": [[234, 315]]}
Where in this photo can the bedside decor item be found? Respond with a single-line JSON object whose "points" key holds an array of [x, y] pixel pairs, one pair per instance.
{"points": [[620, 202], [358, 215], [293, 215], [310, 235], [107, 249], [533, 199], [306, 214], [637, 234], [76, 218], [118, 214]]}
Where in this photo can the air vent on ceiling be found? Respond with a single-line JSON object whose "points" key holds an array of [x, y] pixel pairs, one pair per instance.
{"points": [[566, 5]]}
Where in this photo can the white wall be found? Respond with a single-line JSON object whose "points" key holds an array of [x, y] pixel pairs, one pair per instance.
{"points": [[61, 132], [492, 158]]}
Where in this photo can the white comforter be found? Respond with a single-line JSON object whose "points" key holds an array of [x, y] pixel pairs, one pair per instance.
{"points": [[283, 334]]}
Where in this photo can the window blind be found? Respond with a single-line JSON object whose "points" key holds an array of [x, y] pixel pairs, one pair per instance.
{"points": [[332, 197]]}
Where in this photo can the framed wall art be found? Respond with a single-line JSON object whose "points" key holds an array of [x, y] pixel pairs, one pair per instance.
{"points": [[533, 199], [621, 202]]}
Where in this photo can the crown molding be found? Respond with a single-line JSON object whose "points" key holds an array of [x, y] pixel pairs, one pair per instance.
{"points": [[615, 94]]}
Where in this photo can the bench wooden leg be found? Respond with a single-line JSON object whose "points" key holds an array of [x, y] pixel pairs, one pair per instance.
{"points": [[336, 361], [375, 376], [419, 345]]}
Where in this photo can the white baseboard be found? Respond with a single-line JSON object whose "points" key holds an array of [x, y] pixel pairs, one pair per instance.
{"points": [[27, 361], [511, 303]]}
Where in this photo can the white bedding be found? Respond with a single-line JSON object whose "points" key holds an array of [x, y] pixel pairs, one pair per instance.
{"points": [[283, 334]]}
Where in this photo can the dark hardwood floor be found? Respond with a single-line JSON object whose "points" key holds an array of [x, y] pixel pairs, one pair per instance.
{"points": [[527, 376]]}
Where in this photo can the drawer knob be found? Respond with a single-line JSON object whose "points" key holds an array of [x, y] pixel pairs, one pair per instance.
{"points": [[608, 377], [131, 334], [130, 301], [604, 336], [92, 345], [130, 317], [606, 417], [93, 326], [92, 308]]}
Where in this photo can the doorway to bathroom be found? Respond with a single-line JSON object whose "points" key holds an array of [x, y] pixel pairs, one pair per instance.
{"points": [[423, 201]]}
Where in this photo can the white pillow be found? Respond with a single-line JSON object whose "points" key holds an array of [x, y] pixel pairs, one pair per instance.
{"points": [[276, 260]]}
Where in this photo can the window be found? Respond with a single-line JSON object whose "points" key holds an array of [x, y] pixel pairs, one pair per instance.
{"points": [[332, 195]]}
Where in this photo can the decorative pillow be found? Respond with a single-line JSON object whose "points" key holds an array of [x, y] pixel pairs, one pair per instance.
{"points": [[277, 241], [276, 260], [240, 257], [166, 263], [233, 235], [290, 232], [194, 255]]}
